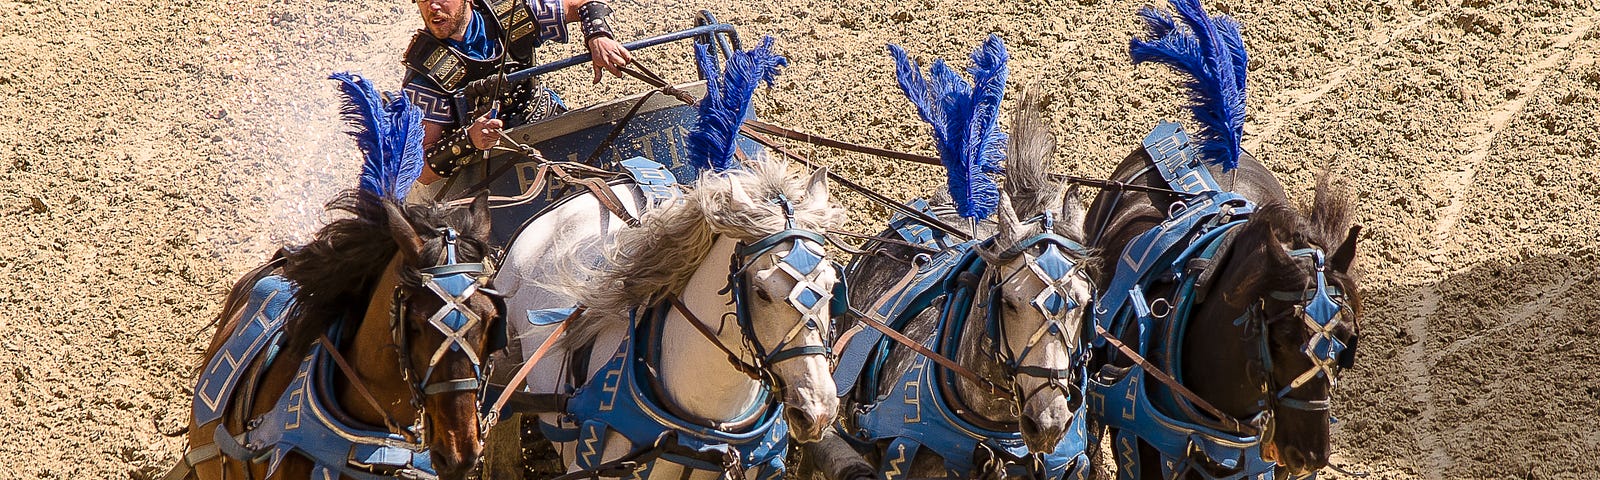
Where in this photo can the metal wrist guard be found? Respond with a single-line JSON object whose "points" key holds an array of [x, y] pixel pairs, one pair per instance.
{"points": [[451, 153], [592, 20]]}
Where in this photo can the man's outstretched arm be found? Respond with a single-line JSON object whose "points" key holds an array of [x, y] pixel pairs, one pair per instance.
{"points": [[593, 19]]}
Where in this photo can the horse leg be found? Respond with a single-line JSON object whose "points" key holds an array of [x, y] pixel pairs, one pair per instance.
{"points": [[1098, 451], [832, 458]]}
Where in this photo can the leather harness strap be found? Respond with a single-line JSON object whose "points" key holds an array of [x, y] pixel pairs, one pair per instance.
{"points": [[874, 238], [602, 193], [993, 388], [601, 190], [733, 358], [1173, 383], [871, 194], [796, 135], [527, 367], [361, 388], [616, 129], [819, 140], [645, 75]]}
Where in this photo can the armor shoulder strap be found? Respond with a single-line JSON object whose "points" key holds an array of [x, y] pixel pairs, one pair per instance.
{"points": [[517, 27], [429, 57]]}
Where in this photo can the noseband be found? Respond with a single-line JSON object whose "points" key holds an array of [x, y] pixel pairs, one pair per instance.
{"points": [[1056, 269], [1321, 308], [454, 284]]}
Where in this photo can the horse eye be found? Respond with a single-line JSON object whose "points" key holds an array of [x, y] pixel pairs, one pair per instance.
{"points": [[1011, 306], [763, 295]]}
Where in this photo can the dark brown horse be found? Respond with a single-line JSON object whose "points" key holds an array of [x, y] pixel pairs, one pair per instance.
{"points": [[413, 338], [1221, 356]]}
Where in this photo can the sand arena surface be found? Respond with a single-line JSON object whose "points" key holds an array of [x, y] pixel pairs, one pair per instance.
{"points": [[154, 150]]}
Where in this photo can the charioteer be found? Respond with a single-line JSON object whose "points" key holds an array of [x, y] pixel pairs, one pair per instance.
{"points": [[465, 41]]}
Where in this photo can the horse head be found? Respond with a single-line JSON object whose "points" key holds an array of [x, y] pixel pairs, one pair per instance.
{"points": [[784, 287], [1037, 285], [1289, 286], [444, 316]]}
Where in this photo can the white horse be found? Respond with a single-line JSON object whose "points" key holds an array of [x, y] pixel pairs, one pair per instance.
{"points": [[1018, 324], [580, 253]]}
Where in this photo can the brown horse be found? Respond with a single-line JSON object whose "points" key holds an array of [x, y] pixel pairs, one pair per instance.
{"points": [[405, 300], [1254, 298]]}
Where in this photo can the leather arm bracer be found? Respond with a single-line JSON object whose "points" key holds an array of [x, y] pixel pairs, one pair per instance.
{"points": [[592, 20], [451, 153]]}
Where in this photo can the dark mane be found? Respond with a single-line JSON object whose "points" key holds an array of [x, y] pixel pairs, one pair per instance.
{"points": [[336, 272], [1324, 227], [1331, 213]]}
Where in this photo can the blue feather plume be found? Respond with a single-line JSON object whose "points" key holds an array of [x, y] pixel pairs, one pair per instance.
{"points": [[727, 102], [389, 135], [1209, 50], [965, 119]]}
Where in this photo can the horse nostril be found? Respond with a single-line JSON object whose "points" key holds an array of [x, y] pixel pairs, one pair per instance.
{"points": [[799, 421], [1029, 427]]}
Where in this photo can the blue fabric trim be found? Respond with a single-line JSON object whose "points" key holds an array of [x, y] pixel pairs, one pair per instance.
{"points": [[853, 367], [549, 316], [615, 397], [654, 180], [434, 102], [303, 421], [267, 308], [475, 42], [552, 18]]}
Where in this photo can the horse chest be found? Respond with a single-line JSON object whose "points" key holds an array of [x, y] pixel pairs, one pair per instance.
{"points": [[616, 423]]}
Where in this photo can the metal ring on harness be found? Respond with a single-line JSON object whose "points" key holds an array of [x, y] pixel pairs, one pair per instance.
{"points": [[1165, 309]]}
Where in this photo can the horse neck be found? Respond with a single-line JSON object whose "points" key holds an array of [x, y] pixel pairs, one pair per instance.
{"points": [[976, 352], [373, 355], [1218, 351], [696, 376]]}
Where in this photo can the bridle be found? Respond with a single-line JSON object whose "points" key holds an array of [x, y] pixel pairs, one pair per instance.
{"points": [[1321, 308], [455, 284], [802, 263], [1056, 269]]}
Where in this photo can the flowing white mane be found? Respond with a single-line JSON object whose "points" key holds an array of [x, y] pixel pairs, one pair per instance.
{"points": [[656, 259]]}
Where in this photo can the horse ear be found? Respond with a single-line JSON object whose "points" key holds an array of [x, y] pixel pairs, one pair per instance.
{"points": [[1007, 221], [1346, 255], [1070, 222], [405, 237], [736, 194], [817, 188], [479, 211]]}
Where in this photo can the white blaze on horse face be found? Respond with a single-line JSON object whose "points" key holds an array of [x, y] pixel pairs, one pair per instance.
{"points": [[1045, 411], [807, 380]]}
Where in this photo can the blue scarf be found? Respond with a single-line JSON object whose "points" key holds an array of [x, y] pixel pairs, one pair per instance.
{"points": [[475, 43]]}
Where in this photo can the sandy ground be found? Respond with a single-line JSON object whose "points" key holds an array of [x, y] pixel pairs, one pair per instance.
{"points": [[154, 150]]}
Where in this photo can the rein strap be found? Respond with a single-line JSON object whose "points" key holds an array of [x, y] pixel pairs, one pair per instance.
{"points": [[361, 388], [748, 131], [1173, 383], [527, 367], [993, 388], [753, 372]]}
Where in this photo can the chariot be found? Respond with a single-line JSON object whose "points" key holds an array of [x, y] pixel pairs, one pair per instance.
{"points": [[594, 141]]}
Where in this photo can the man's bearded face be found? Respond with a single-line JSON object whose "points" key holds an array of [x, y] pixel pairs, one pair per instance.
{"points": [[445, 18]]}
